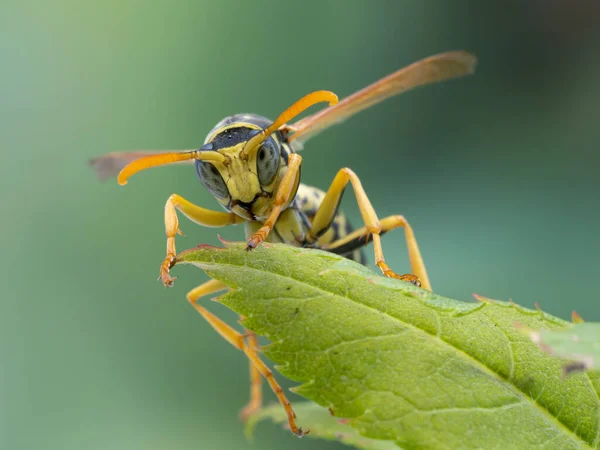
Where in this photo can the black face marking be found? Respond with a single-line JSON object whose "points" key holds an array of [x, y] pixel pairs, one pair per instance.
{"points": [[231, 137], [244, 205]]}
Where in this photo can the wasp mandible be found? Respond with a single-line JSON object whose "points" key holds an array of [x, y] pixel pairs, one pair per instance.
{"points": [[251, 166]]}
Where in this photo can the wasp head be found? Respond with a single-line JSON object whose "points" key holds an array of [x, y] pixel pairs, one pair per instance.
{"points": [[245, 179]]}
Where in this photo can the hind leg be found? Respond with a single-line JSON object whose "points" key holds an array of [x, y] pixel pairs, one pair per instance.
{"points": [[247, 344]]}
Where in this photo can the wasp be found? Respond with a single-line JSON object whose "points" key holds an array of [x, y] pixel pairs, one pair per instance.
{"points": [[252, 167]]}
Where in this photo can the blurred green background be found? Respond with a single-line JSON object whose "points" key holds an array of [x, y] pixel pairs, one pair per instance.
{"points": [[498, 174]]}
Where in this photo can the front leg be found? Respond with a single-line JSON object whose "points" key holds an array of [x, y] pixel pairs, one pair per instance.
{"points": [[282, 197], [200, 215]]}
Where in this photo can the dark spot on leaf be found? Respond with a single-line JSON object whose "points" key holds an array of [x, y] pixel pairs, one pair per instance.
{"points": [[573, 367]]}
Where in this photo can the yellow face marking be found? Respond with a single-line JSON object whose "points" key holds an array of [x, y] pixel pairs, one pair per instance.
{"points": [[239, 174], [239, 171]]}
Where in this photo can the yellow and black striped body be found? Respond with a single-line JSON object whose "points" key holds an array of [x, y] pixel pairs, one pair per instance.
{"points": [[295, 221]]}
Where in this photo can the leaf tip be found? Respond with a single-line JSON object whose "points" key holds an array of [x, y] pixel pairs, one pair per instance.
{"points": [[225, 242], [576, 317]]}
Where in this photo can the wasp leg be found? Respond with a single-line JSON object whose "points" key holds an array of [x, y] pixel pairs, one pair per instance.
{"points": [[255, 402], [282, 197], [373, 227], [359, 238], [246, 343], [200, 215]]}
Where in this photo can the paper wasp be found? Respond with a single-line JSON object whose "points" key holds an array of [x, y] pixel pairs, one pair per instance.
{"points": [[251, 166]]}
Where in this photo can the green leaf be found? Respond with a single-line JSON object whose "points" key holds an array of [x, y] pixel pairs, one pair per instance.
{"points": [[579, 343], [321, 425], [402, 363]]}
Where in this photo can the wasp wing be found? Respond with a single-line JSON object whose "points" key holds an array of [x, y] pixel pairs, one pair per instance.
{"points": [[443, 66], [111, 164]]}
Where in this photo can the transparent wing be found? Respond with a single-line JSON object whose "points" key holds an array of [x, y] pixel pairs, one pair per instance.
{"points": [[110, 165], [443, 66]]}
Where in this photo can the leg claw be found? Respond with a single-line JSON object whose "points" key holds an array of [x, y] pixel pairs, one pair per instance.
{"points": [[253, 243], [300, 432], [257, 238], [407, 277], [167, 264]]}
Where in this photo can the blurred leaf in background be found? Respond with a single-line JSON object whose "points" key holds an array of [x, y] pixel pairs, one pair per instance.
{"points": [[96, 354]]}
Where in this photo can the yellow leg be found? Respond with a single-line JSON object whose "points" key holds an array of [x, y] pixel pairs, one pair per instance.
{"points": [[255, 402], [282, 197], [247, 344], [373, 227], [211, 287], [200, 215], [414, 255]]}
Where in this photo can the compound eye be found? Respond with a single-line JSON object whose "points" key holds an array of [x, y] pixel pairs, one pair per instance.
{"points": [[267, 162], [211, 179]]}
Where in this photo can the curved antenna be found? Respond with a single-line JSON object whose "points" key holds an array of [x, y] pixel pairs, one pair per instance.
{"points": [[162, 159], [109, 165], [297, 108]]}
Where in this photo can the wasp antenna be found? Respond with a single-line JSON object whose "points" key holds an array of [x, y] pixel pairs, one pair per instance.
{"points": [[297, 108], [300, 106], [162, 159]]}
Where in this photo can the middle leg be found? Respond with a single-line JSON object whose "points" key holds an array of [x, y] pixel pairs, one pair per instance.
{"points": [[359, 238], [373, 227]]}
